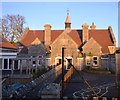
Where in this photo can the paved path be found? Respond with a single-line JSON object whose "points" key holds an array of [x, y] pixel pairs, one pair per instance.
{"points": [[103, 85]]}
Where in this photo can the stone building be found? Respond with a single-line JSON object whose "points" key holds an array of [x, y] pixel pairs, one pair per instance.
{"points": [[89, 43]]}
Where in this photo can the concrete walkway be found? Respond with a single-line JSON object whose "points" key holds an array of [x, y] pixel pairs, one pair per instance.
{"points": [[76, 85]]}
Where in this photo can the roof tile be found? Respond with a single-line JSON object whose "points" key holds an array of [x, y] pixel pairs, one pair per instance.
{"points": [[5, 44], [102, 37]]}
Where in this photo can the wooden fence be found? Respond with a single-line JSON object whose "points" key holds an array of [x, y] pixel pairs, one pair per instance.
{"points": [[68, 76]]}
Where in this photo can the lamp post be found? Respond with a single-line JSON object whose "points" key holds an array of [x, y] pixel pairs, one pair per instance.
{"points": [[62, 73]]}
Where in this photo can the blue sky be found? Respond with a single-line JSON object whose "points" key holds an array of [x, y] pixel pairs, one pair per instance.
{"points": [[37, 14]]}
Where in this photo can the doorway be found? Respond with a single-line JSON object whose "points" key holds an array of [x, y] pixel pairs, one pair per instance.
{"points": [[58, 60], [69, 61]]}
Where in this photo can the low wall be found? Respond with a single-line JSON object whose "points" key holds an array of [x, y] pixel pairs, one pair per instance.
{"points": [[118, 63], [52, 90], [20, 80], [109, 64]]}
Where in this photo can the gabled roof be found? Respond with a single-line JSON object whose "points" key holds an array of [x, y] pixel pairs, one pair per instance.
{"points": [[31, 36], [103, 38], [66, 34], [92, 41], [75, 35], [55, 34], [4, 43], [36, 42]]}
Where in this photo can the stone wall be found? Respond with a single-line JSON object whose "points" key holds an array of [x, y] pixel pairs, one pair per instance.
{"points": [[92, 48], [70, 48], [109, 64], [118, 63], [68, 52]]}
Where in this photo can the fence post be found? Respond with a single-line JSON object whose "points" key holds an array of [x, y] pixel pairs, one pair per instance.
{"points": [[20, 66], [114, 98], [95, 98], [104, 98], [27, 66], [85, 98]]}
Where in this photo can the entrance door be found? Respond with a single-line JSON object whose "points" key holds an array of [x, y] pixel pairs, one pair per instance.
{"points": [[16, 64], [68, 62], [58, 60]]}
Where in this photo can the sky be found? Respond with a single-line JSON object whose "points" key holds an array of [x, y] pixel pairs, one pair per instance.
{"points": [[37, 14]]}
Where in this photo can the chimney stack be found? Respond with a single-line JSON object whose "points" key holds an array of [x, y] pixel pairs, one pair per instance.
{"points": [[85, 34], [93, 26], [47, 36]]}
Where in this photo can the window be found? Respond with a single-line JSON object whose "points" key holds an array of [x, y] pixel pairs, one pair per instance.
{"points": [[94, 58], [10, 63], [95, 61], [34, 62], [88, 62], [16, 64], [39, 62], [59, 61], [0, 63], [5, 63]]}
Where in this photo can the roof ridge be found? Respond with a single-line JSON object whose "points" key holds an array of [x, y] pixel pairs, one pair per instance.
{"points": [[98, 29], [36, 30], [64, 29]]}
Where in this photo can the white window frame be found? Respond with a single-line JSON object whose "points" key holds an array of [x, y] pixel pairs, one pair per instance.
{"points": [[96, 60]]}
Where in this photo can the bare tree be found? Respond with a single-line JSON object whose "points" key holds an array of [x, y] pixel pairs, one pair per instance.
{"points": [[11, 26]]}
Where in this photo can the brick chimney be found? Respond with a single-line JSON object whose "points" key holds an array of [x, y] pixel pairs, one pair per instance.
{"points": [[47, 36], [85, 34], [93, 26]]}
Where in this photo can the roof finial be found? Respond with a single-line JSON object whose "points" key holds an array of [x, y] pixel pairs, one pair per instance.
{"points": [[67, 21], [67, 11]]}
